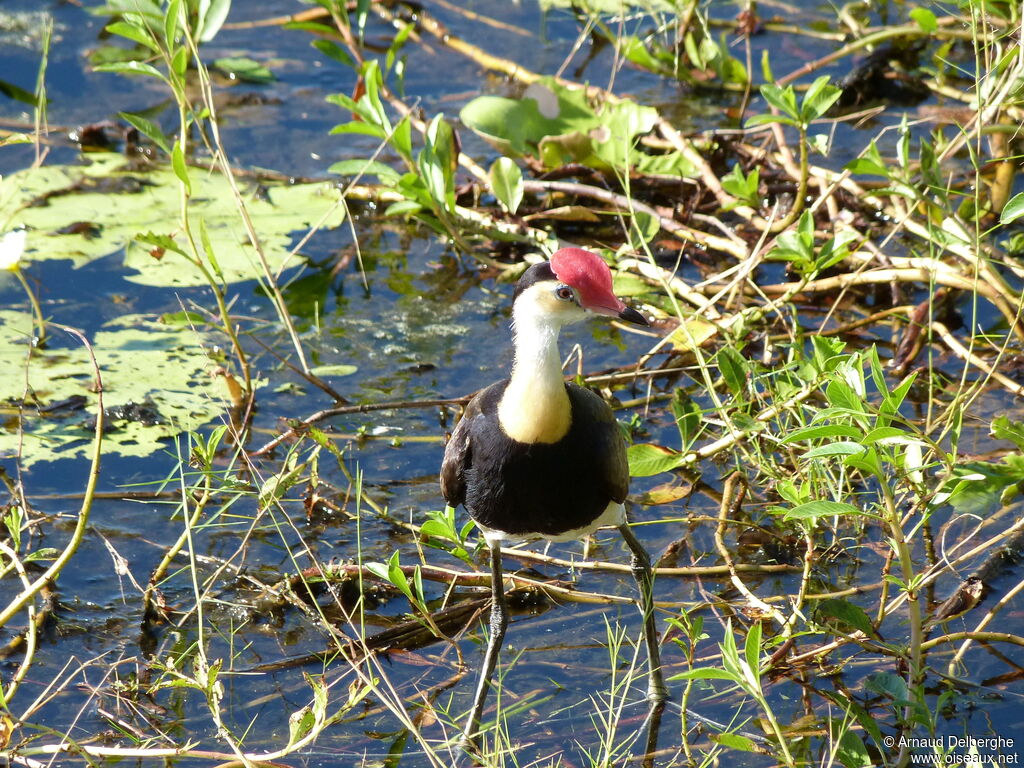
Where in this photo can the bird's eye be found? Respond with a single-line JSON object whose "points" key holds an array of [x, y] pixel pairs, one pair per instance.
{"points": [[565, 293]]}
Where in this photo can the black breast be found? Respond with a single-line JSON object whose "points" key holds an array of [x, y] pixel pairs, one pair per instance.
{"points": [[539, 488]]}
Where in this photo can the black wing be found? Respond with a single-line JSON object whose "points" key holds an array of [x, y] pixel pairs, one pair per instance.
{"points": [[603, 437], [458, 455]]}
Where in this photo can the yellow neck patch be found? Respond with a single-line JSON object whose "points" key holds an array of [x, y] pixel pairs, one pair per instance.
{"points": [[532, 411]]}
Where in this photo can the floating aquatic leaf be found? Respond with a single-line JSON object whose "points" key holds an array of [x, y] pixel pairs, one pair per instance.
{"points": [[123, 203], [245, 69], [334, 370], [558, 125], [156, 384]]}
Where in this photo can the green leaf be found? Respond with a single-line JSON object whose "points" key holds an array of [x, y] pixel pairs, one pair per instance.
{"points": [[210, 251], [646, 225], [847, 613], [834, 250], [1013, 209], [742, 187], [840, 448], [332, 50], [149, 129], [823, 430], [819, 97], [396, 46], [183, 319], [791, 246], [925, 19], [979, 487], [866, 166], [646, 459], [44, 553], [165, 242], [380, 570], [558, 125], [437, 163], [889, 684], [134, 32], [1004, 429], [766, 67], [171, 19], [851, 752], [507, 183], [397, 576], [180, 61], [149, 10], [783, 99], [894, 399], [634, 50], [704, 673], [245, 69], [403, 208], [812, 510], [356, 126], [438, 530], [765, 119], [311, 26], [180, 166], [883, 433], [735, 741], [871, 163], [805, 228], [11, 91], [130, 68], [734, 369], [360, 167], [688, 416], [841, 395], [371, 108], [746, 423], [401, 137], [867, 461], [338, 369], [752, 648], [213, 19]]}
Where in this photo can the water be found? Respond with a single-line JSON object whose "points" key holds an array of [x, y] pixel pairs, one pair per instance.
{"points": [[420, 322]]}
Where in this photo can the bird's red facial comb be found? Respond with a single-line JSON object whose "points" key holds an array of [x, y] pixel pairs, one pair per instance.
{"points": [[590, 276]]}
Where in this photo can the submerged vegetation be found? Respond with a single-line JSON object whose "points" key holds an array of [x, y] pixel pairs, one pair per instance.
{"points": [[824, 424]]}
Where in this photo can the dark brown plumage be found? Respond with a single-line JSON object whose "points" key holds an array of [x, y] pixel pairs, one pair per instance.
{"points": [[536, 457], [540, 489]]}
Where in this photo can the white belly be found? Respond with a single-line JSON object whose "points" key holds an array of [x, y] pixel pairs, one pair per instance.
{"points": [[614, 515]]}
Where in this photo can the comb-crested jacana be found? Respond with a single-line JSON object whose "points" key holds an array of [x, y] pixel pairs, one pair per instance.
{"points": [[536, 457]]}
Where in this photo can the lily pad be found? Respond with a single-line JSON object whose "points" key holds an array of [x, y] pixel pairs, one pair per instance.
{"points": [[87, 212], [156, 384], [558, 125]]}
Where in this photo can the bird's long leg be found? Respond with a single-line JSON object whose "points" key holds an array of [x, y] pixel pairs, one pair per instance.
{"points": [[499, 623], [641, 564], [653, 723]]}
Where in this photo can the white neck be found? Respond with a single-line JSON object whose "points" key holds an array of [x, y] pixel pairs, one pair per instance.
{"points": [[535, 407]]}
